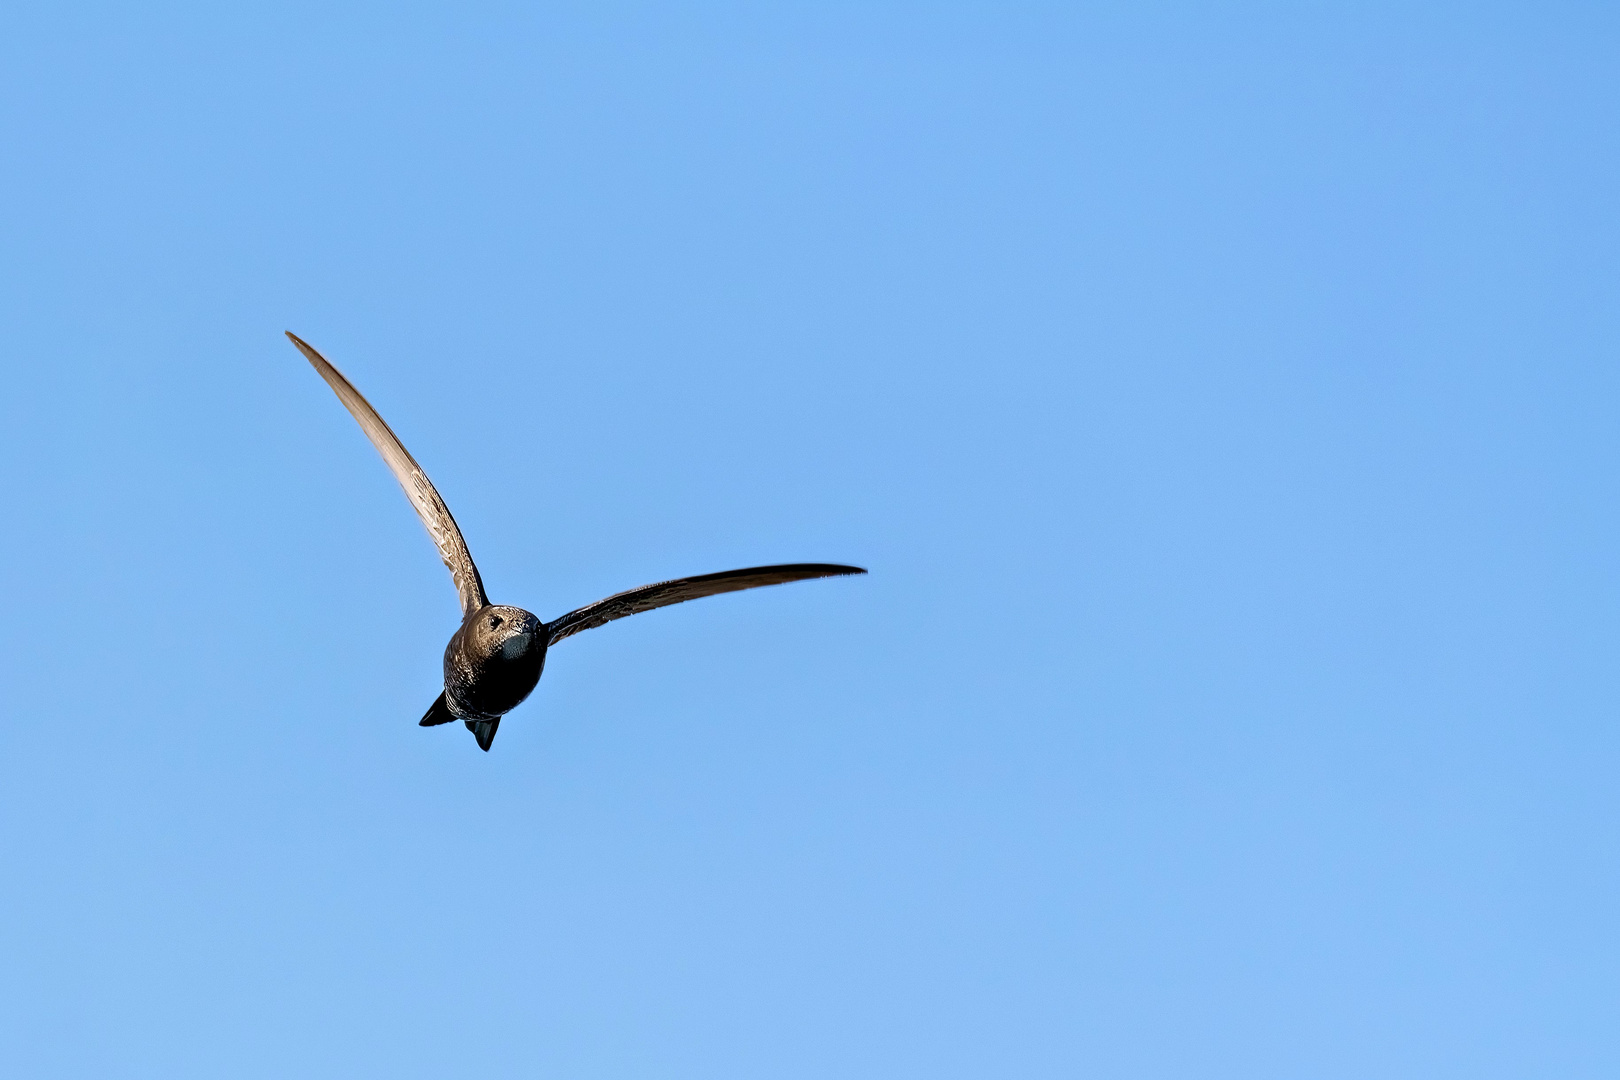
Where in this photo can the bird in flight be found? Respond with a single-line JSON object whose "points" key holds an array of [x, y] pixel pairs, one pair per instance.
{"points": [[494, 660]]}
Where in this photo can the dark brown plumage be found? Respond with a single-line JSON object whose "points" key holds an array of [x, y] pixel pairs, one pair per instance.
{"points": [[495, 658]]}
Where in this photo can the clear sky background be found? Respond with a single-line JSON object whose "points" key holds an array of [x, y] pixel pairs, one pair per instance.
{"points": [[1225, 402]]}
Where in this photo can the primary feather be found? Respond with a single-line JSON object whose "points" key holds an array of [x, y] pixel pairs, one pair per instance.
{"points": [[664, 593], [418, 488]]}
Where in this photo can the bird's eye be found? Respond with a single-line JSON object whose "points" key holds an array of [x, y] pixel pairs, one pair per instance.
{"points": [[494, 621]]}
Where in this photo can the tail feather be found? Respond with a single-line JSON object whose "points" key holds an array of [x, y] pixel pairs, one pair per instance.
{"points": [[438, 713], [483, 731]]}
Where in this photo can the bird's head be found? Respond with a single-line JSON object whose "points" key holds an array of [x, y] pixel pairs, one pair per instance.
{"points": [[508, 630]]}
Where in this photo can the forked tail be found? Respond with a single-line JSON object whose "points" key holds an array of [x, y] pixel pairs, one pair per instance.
{"points": [[439, 713], [483, 731]]}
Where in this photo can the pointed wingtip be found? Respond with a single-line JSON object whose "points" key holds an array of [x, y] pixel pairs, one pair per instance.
{"points": [[302, 346]]}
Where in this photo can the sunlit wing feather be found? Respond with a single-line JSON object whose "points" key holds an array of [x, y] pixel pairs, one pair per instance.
{"points": [[664, 593], [418, 488]]}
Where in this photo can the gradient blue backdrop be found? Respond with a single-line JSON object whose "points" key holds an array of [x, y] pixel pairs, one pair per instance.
{"points": [[1226, 403]]}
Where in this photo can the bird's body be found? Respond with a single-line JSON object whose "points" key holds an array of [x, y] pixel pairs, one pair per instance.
{"points": [[495, 658], [492, 662]]}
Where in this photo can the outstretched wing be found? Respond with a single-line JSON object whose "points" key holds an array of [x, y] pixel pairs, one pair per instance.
{"points": [[665, 593], [418, 488]]}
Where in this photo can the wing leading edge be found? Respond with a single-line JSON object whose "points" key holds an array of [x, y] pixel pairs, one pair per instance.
{"points": [[418, 488], [664, 593]]}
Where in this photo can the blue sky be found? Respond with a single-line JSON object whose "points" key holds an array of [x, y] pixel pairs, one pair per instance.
{"points": [[1224, 400]]}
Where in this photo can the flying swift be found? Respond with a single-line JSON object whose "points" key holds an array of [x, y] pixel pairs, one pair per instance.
{"points": [[494, 659]]}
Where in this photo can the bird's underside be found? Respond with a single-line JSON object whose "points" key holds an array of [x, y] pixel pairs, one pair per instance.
{"points": [[495, 658]]}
